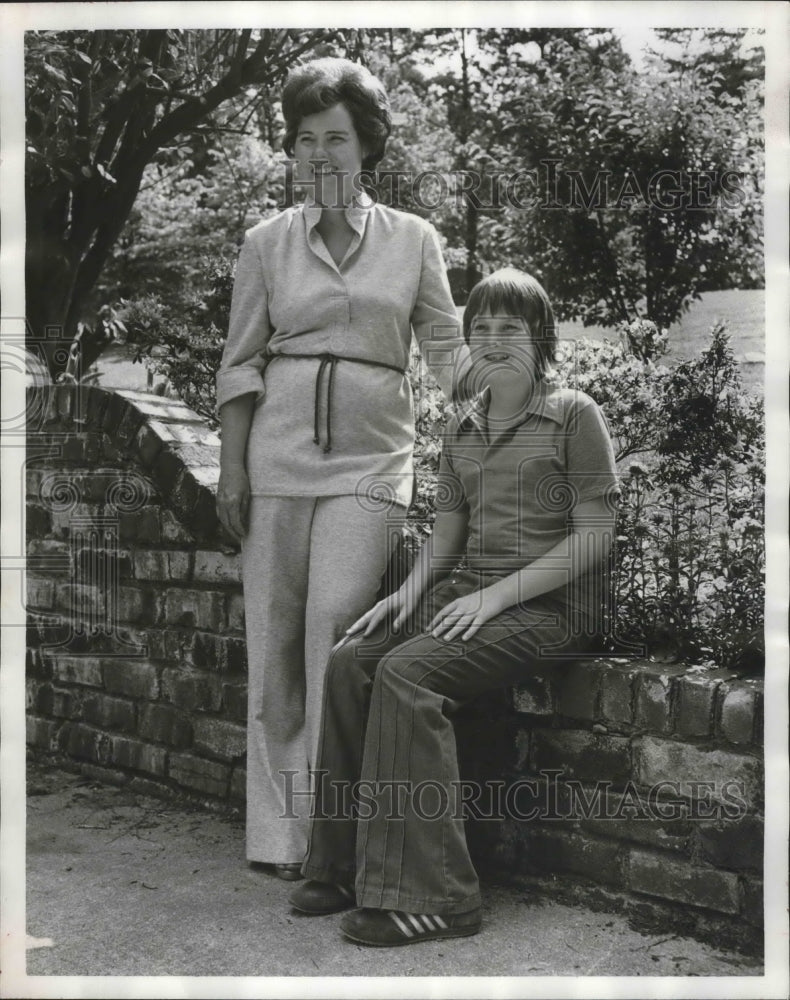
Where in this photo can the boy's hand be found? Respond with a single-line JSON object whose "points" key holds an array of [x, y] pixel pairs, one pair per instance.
{"points": [[397, 606], [464, 616]]}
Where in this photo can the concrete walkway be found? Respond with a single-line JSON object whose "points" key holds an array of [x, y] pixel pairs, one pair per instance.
{"points": [[121, 884]]}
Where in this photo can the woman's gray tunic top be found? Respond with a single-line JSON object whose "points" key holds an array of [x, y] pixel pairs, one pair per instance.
{"points": [[290, 298]]}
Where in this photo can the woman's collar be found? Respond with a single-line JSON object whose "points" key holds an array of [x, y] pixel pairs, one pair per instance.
{"points": [[355, 212]]}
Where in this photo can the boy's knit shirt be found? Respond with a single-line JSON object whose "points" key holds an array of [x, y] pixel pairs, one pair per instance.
{"points": [[520, 483]]}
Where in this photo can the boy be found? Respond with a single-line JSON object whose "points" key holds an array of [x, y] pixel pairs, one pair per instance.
{"points": [[525, 492]]}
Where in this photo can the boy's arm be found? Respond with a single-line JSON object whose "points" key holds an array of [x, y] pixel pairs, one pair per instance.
{"points": [[588, 542], [437, 557], [441, 552]]}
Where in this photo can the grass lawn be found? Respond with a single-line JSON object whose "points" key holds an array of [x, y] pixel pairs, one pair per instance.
{"points": [[742, 311]]}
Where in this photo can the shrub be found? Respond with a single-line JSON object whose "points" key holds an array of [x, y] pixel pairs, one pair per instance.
{"points": [[430, 413], [185, 344], [689, 572]]}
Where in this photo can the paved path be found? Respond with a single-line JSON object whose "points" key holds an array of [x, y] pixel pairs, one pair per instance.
{"points": [[122, 884]]}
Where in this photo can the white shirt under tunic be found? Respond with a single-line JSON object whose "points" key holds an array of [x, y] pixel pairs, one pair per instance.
{"points": [[290, 298]]}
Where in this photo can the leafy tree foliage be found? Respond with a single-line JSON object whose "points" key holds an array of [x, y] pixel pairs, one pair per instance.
{"points": [[628, 192], [190, 208], [722, 57], [101, 105], [145, 149], [458, 100], [182, 337], [643, 182]]}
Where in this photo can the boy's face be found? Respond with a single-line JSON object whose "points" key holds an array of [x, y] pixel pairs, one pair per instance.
{"points": [[503, 352]]}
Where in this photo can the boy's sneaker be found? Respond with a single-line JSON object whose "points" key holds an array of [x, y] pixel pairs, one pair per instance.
{"points": [[386, 928], [319, 898]]}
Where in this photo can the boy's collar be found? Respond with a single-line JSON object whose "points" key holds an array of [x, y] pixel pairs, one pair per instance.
{"points": [[545, 401]]}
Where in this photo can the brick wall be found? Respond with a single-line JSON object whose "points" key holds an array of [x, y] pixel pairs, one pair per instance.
{"points": [[137, 658], [635, 783]]}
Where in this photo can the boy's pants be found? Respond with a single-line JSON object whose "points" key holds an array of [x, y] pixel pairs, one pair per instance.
{"points": [[386, 721], [311, 566]]}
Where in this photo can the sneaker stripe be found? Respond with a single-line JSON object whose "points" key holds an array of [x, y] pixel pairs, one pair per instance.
{"points": [[346, 892], [440, 922], [400, 924], [415, 923], [428, 923]]}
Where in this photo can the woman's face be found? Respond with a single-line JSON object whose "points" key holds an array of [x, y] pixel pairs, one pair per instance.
{"points": [[329, 155]]}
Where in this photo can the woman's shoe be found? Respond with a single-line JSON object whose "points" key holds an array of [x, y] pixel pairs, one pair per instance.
{"points": [[290, 873], [319, 898], [387, 928]]}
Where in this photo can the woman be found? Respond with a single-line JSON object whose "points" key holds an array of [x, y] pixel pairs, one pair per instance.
{"points": [[317, 423]]}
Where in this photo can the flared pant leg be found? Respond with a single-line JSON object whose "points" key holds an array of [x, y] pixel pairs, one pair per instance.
{"points": [[311, 566], [388, 725]]}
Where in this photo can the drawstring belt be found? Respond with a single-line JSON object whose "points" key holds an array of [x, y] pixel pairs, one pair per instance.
{"points": [[327, 361]]}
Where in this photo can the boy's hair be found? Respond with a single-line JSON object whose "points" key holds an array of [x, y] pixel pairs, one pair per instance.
{"points": [[321, 84], [509, 292]]}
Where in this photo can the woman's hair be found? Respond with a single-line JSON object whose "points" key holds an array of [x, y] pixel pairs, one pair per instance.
{"points": [[509, 292], [321, 84]]}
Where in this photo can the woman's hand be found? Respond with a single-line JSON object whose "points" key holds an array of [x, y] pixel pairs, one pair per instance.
{"points": [[398, 606], [233, 501], [464, 616], [233, 491]]}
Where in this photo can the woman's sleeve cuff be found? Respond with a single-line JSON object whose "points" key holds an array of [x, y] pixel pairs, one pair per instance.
{"points": [[233, 382]]}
